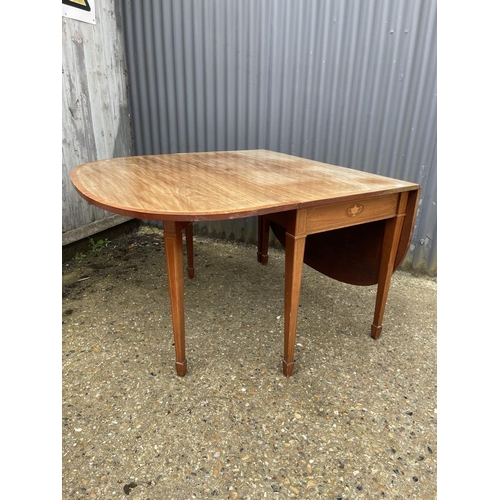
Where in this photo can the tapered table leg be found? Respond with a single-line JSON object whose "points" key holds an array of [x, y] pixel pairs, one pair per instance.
{"points": [[392, 234], [172, 233], [294, 257], [190, 250], [263, 239]]}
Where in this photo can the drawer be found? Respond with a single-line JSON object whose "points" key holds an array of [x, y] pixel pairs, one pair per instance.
{"points": [[351, 213]]}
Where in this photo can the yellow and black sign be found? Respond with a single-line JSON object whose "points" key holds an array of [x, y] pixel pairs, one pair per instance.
{"points": [[81, 10], [78, 4]]}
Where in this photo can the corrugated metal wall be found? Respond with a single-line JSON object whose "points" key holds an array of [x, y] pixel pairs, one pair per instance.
{"points": [[347, 82], [95, 113]]}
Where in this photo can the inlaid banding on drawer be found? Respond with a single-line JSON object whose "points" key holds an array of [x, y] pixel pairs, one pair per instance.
{"points": [[350, 213]]}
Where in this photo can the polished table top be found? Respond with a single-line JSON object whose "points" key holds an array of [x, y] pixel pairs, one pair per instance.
{"points": [[221, 185], [358, 225]]}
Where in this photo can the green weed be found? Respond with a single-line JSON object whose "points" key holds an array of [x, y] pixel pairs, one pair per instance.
{"points": [[96, 247]]}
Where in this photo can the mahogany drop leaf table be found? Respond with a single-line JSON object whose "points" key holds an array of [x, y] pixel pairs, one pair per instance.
{"points": [[351, 225]]}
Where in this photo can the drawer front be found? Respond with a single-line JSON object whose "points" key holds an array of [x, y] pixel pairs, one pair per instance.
{"points": [[351, 213]]}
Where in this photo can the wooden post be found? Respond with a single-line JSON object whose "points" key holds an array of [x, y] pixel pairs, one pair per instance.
{"points": [[294, 256], [172, 233], [262, 239], [392, 234]]}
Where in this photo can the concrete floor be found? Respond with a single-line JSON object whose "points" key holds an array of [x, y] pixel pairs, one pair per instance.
{"points": [[357, 420]]}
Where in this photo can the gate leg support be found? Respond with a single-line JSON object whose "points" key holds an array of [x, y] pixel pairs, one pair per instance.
{"points": [[392, 234], [263, 240]]}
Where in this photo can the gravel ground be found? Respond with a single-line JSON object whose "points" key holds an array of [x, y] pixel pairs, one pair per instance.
{"points": [[357, 420]]}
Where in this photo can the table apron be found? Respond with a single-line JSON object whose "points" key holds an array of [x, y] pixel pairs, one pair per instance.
{"points": [[337, 215]]}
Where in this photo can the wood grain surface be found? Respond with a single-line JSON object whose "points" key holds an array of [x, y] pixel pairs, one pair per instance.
{"points": [[221, 184]]}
